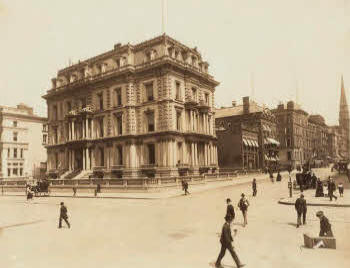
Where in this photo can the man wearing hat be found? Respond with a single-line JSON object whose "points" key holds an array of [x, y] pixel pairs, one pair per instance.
{"points": [[230, 211], [331, 189], [63, 215], [226, 243], [243, 205], [301, 208], [325, 226]]}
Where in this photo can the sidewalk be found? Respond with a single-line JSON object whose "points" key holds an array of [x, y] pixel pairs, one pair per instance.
{"points": [[163, 193], [175, 191], [311, 200]]}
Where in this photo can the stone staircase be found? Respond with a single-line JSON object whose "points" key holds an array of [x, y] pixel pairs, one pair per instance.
{"points": [[83, 175], [72, 174]]}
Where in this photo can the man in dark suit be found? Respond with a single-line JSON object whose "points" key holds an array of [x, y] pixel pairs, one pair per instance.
{"points": [[226, 243], [230, 211], [331, 189], [254, 187], [301, 208], [63, 216]]}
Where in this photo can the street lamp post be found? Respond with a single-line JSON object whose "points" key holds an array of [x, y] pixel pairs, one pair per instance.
{"points": [[290, 186]]}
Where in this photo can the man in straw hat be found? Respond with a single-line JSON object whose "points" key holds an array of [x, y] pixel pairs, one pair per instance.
{"points": [[226, 243], [243, 205]]}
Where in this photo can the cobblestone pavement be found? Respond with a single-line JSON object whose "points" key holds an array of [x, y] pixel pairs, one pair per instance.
{"points": [[171, 232]]}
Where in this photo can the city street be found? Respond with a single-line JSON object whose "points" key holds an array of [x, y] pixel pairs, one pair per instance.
{"points": [[174, 232]]}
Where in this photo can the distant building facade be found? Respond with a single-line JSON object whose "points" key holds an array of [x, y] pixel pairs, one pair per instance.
{"points": [[292, 123], [135, 111], [246, 137], [21, 142]]}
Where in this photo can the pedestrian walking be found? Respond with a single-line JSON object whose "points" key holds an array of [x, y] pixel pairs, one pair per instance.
{"points": [[331, 189], [271, 176], [325, 226], [254, 187], [186, 188], [341, 189], [74, 191], [243, 205], [226, 240], [63, 216], [279, 177], [230, 211], [301, 208]]}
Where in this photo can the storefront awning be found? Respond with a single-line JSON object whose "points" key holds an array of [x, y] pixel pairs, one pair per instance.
{"points": [[256, 144], [245, 142], [272, 141], [250, 143], [266, 128]]}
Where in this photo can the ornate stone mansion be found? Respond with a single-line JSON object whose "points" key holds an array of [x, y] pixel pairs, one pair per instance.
{"points": [[142, 110]]}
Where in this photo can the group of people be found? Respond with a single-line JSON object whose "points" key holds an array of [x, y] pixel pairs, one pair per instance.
{"points": [[226, 238], [328, 189], [301, 209]]}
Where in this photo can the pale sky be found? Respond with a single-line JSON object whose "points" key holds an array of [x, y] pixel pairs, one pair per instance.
{"points": [[277, 45]]}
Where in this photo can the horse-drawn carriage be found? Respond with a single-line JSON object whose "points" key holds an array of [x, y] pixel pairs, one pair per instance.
{"points": [[40, 189]]}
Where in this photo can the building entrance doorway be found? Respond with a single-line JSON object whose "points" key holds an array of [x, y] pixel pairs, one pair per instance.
{"points": [[78, 161]]}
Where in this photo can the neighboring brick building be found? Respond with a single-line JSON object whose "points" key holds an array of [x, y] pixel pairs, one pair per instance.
{"points": [[21, 142], [318, 135], [137, 110], [334, 138], [292, 125], [246, 136]]}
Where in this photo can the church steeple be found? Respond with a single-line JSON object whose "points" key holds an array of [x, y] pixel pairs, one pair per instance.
{"points": [[344, 123]]}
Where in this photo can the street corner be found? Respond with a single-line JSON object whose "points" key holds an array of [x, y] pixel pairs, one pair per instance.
{"points": [[317, 201]]}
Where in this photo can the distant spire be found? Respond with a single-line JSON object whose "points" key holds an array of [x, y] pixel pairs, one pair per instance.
{"points": [[343, 101]]}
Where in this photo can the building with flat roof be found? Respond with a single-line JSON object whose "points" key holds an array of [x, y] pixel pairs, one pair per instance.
{"points": [[21, 142], [246, 137], [143, 110]]}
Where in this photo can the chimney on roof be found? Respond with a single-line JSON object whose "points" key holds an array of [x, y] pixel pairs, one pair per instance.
{"points": [[116, 46], [246, 105], [234, 103], [280, 106], [290, 105], [53, 82]]}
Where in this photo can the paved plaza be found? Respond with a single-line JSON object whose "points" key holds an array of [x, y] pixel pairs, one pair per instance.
{"points": [[181, 231]]}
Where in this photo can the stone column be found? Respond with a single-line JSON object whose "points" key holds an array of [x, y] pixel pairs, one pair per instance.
{"points": [[73, 159], [92, 129], [83, 128], [84, 158], [88, 162], [132, 153], [192, 154], [205, 154], [73, 131], [69, 131]]}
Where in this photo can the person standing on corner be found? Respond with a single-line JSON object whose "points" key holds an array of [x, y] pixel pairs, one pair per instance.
{"points": [[243, 205], [63, 216], [226, 240], [230, 211], [301, 208], [341, 189], [254, 187], [331, 189]]}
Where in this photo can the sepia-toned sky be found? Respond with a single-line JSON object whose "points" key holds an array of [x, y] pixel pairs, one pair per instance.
{"points": [[273, 46]]}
